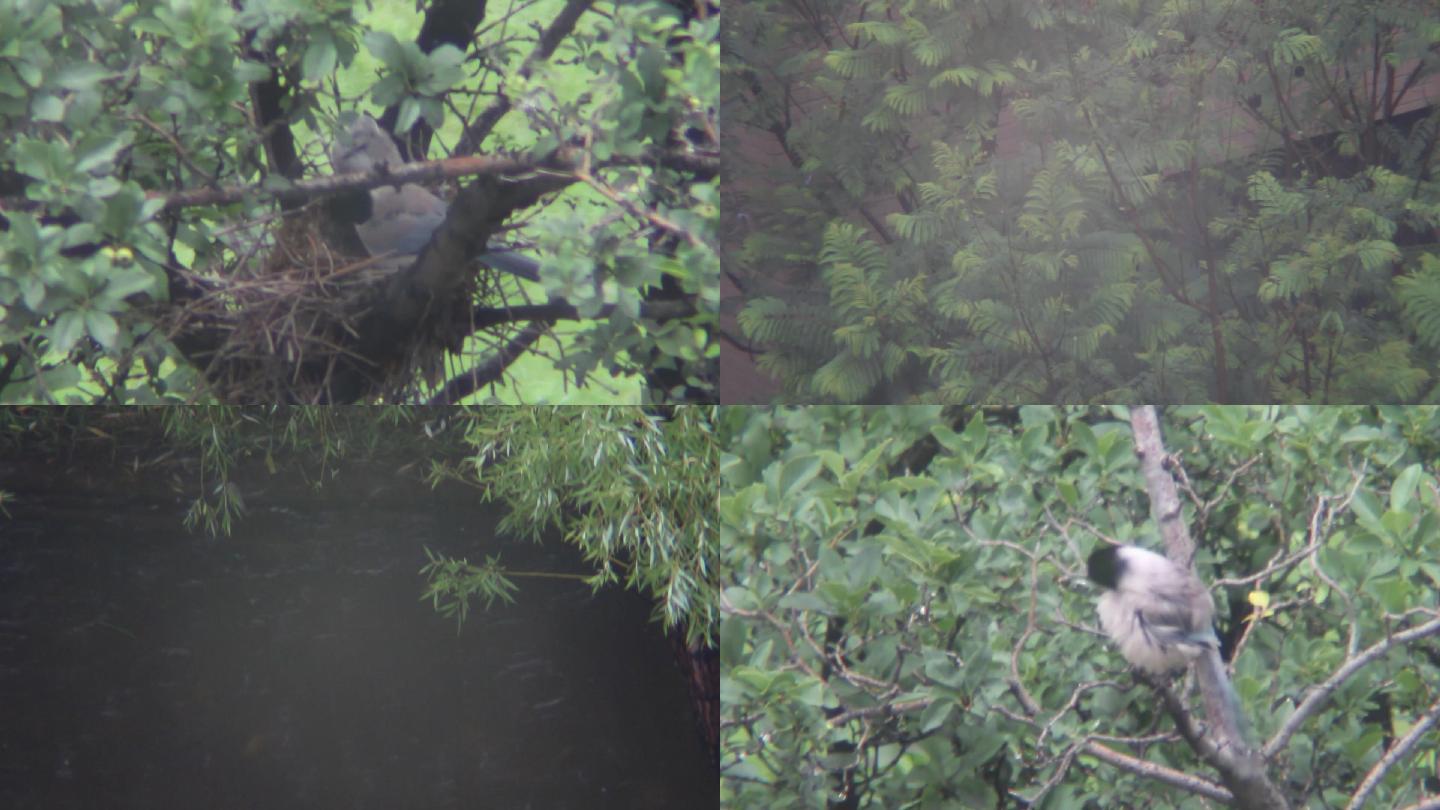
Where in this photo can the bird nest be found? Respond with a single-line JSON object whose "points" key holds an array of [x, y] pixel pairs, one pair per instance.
{"points": [[290, 327]]}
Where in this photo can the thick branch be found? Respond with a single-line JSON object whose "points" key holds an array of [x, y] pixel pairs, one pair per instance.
{"points": [[422, 172], [1241, 768]]}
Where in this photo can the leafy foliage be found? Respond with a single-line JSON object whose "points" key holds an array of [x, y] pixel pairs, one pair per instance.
{"points": [[1420, 292], [453, 582], [108, 107], [1095, 201], [634, 492], [906, 622]]}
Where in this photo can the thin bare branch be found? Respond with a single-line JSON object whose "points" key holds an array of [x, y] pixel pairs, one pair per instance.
{"points": [[1318, 695], [1398, 751]]}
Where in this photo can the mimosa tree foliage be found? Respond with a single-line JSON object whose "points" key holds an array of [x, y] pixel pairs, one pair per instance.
{"points": [[1103, 200]]}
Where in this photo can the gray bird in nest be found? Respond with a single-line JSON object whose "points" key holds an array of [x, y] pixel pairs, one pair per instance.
{"points": [[402, 220]]}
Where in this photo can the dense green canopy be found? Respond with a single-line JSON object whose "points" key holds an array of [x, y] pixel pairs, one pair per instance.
{"points": [[907, 621], [1097, 201]]}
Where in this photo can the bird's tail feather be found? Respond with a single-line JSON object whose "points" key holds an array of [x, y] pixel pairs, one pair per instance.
{"points": [[508, 261], [1211, 661]]}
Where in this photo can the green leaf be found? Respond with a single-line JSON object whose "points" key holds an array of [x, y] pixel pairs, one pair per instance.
{"points": [[1403, 490], [29, 72], [43, 161], [1294, 45], [80, 76], [320, 58], [104, 186], [445, 70], [46, 107], [389, 90], [956, 76], [1419, 295], [1377, 254], [102, 327], [248, 72], [101, 155], [384, 46], [124, 282], [432, 109], [409, 113], [68, 328]]}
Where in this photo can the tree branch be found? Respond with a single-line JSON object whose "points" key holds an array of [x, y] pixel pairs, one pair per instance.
{"points": [[563, 161], [483, 317], [422, 172], [1397, 752], [491, 370], [560, 28], [1241, 768], [1319, 694], [1169, 776]]}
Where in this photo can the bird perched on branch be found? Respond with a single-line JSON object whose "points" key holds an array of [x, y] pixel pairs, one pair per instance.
{"points": [[403, 219], [1159, 615], [1156, 612]]}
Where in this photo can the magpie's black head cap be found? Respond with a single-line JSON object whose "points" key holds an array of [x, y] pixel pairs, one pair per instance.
{"points": [[1103, 566]]}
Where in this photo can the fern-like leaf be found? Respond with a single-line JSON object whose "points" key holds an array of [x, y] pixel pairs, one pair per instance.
{"points": [[1419, 294]]}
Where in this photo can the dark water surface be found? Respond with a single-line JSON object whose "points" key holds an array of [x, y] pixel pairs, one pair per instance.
{"points": [[293, 665]]}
